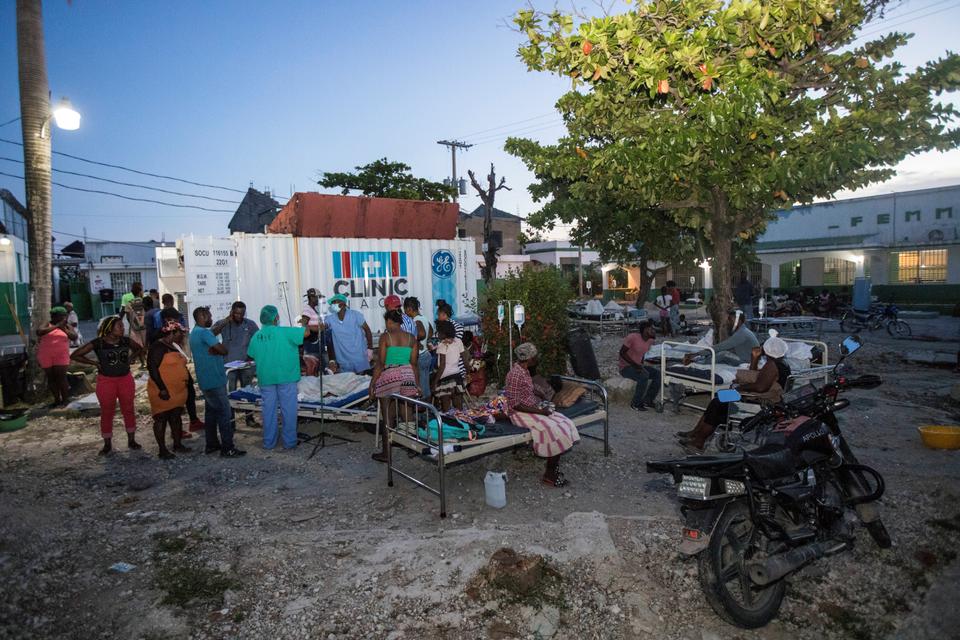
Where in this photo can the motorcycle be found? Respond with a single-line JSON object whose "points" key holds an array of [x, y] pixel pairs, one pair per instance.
{"points": [[756, 516], [883, 315]]}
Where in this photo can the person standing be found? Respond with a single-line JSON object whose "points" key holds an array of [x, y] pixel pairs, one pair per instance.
{"points": [[136, 291], [167, 387], [311, 317], [208, 361], [448, 379], [663, 302], [352, 339], [743, 295], [394, 372], [235, 332], [53, 354], [393, 303], [151, 321], [674, 305], [424, 332], [74, 322], [171, 313], [632, 367], [276, 352], [115, 384]]}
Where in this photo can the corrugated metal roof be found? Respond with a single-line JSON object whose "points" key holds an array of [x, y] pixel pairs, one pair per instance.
{"points": [[315, 215]]}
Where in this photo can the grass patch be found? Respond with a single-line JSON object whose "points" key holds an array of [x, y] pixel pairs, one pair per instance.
{"points": [[184, 580], [185, 583]]}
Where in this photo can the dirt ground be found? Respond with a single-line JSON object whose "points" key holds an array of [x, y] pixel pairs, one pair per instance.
{"points": [[276, 545]]}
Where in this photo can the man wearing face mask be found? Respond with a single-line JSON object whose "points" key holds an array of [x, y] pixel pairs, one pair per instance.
{"points": [[352, 339]]}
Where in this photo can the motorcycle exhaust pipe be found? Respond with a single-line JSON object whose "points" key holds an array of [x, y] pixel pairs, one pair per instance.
{"points": [[776, 567]]}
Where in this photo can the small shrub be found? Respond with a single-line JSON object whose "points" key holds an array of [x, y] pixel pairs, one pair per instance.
{"points": [[544, 294]]}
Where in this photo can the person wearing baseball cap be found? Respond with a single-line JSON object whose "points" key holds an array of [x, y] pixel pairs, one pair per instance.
{"points": [[393, 303]]}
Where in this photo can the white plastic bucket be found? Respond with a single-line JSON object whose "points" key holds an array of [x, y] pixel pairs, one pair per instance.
{"points": [[495, 485]]}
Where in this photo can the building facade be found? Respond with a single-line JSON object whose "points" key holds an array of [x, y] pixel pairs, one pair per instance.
{"points": [[116, 266], [907, 243], [504, 234], [256, 211]]}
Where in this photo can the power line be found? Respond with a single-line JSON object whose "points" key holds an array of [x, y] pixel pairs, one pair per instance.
{"points": [[10, 121], [117, 195], [131, 184], [127, 242], [137, 171], [529, 132], [509, 124], [506, 134], [886, 25]]}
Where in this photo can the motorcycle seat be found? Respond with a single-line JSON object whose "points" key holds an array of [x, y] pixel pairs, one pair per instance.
{"points": [[770, 461]]}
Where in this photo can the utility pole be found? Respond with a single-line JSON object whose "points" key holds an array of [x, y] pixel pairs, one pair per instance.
{"points": [[580, 262], [454, 145]]}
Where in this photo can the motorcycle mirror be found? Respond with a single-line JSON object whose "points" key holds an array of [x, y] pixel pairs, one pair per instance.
{"points": [[850, 344], [728, 395]]}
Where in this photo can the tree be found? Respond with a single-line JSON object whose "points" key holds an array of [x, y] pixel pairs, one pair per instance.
{"points": [[721, 112], [619, 232], [34, 119], [487, 196], [385, 179]]}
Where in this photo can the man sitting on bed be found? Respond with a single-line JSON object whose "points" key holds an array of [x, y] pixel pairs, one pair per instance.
{"points": [[737, 348], [635, 347]]}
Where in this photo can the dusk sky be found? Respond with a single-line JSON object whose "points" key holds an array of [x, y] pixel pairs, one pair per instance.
{"points": [[272, 93]]}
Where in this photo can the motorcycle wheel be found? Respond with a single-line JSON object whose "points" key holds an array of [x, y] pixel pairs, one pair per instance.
{"points": [[899, 329], [876, 528], [723, 576], [848, 325]]}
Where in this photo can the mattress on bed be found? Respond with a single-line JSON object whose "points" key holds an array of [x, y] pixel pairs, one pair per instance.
{"points": [[723, 374], [248, 395]]}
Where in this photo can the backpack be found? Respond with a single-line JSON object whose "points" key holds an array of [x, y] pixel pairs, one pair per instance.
{"points": [[453, 429]]}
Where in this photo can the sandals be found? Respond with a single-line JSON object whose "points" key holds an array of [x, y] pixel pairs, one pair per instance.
{"points": [[559, 481]]}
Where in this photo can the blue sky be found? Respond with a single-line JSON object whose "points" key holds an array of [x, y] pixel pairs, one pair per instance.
{"points": [[230, 93]]}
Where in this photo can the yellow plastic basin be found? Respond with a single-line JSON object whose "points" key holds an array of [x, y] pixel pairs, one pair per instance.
{"points": [[940, 436]]}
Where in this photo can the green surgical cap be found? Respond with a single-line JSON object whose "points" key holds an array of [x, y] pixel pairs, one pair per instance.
{"points": [[58, 311], [269, 314]]}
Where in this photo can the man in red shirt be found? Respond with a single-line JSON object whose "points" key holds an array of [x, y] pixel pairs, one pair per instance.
{"points": [[635, 347]]}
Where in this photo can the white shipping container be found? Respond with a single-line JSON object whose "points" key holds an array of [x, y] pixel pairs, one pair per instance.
{"points": [[278, 270]]}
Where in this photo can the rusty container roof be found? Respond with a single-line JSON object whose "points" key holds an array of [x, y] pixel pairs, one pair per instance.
{"points": [[316, 215]]}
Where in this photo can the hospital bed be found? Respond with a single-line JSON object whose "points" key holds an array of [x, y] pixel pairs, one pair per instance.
{"points": [[797, 325], [708, 377], [499, 436], [341, 409]]}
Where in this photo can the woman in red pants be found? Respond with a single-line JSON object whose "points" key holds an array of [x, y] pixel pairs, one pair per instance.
{"points": [[114, 352]]}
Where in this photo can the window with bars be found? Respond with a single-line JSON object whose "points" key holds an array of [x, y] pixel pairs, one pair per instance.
{"points": [[838, 271], [121, 281], [790, 274], [925, 265]]}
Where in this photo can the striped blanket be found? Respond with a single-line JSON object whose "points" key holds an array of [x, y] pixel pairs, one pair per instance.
{"points": [[552, 435]]}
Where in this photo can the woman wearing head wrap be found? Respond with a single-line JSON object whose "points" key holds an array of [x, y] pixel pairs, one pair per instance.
{"points": [[553, 433], [167, 388], [53, 353], [276, 352], [114, 352], [756, 385]]}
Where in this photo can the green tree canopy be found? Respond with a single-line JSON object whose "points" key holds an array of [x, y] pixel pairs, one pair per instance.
{"points": [[718, 112], [385, 179]]}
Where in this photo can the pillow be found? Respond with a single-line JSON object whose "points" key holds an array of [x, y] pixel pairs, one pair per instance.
{"points": [[568, 394]]}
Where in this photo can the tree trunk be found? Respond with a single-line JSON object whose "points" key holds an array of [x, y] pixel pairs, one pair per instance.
{"points": [[490, 255], [646, 279], [722, 300], [34, 112]]}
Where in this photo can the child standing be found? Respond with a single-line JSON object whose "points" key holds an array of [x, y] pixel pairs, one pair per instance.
{"points": [[448, 381]]}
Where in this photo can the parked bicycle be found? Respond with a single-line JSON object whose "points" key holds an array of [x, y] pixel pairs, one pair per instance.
{"points": [[879, 316]]}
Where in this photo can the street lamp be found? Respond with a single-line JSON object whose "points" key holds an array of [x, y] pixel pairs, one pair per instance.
{"points": [[66, 117]]}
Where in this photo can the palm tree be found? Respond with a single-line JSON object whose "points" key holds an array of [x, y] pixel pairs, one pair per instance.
{"points": [[34, 114]]}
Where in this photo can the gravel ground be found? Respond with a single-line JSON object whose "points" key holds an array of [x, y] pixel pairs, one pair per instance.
{"points": [[276, 545]]}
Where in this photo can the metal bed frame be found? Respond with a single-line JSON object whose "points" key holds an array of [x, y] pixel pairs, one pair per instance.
{"points": [[447, 454], [701, 385], [315, 411]]}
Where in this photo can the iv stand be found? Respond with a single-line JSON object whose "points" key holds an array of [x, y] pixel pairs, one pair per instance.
{"points": [[509, 304]]}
